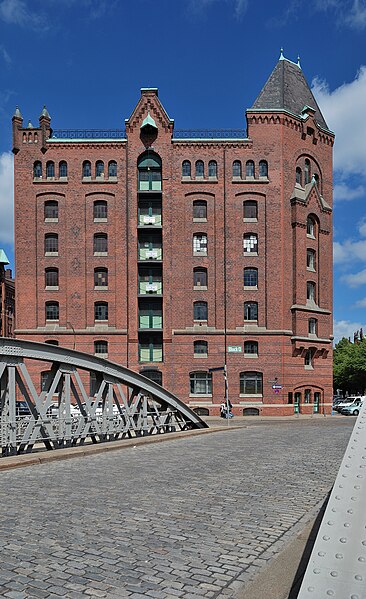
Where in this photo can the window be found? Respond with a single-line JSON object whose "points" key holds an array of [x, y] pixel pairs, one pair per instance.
{"points": [[51, 243], [62, 169], [251, 311], [251, 383], [308, 360], [51, 277], [112, 168], [310, 291], [200, 210], [37, 169], [151, 349], [298, 175], [250, 277], [212, 168], [101, 311], [153, 375], [313, 326], [249, 168], [263, 168], [101, 277], [186, 168], [200, 311], [200, 244], [50, 169], [307, 395], [307, 171], [310, 226], [100, 210], [52, 311], [200, 348], [86, 168], [250, 243], [237, 168], [99, 168], [200, 277], [310, 259], [251, 347], [150, 314], [200, 169], [200, 383], [52, 342], [149, 172], [51, 210], [100, 243], [44, 380], [316, 177], [101, 347], [250, 210], [150, 281]]}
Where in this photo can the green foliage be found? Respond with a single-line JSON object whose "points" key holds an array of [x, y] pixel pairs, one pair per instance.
{"points": [[349, 366]]}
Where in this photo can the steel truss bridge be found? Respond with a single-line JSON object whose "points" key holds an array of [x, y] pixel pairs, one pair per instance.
{"points": [[124, 404]]}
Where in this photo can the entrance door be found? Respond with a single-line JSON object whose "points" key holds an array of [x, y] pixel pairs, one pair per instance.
{"points": [[316, 402], [297, 402]]}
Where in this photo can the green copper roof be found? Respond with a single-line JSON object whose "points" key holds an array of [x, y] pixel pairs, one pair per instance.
{"points": [[148, 122], [45, 112], [3, 258], [17, 113]]}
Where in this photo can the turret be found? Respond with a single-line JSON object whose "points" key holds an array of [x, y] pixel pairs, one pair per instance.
{"points": [[17, 122], [45, 126]]}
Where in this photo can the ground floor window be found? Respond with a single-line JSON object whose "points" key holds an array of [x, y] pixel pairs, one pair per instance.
{"points": [[201, 383], [251, 383]]}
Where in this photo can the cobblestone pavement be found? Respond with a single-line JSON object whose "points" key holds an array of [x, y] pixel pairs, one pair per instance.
{"points": [[191, 518]]}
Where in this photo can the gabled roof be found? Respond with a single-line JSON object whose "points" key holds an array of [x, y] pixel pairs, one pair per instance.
{"points": [[287, 89]]}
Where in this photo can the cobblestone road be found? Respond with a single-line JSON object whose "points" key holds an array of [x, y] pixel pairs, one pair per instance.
{"points": [[190, 518]]}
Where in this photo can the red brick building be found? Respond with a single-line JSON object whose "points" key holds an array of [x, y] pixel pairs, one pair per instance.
{"points": [[7, 298], [175, 252]]}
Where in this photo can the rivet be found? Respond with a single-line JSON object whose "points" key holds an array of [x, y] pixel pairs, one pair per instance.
{"points": [[360, 476], [321, 553], [364, 542], [349, 511], [353, 498], [343, 540], [334, 573], [316, 571], [344, 475], [330, 593], [361, 559], [330, 523], [333, 509], [357, 487], [346, 525], [311, 589], [326, 538], [347, 466], [355, 597], [337, 497], [358, 577], [339, 555]]}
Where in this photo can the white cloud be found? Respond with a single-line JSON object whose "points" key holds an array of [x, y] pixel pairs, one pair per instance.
{"points": [[197, 7], [349, 251], [5, 55], [341, 108], [360, 303], [16, 12], [351, 13], [345, 328], [355, 280], [6, 199], [343, 191]]}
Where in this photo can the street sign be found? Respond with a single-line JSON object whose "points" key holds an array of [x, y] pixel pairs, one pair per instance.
{"points": [[276, 387], [215, 369], [234, 349]]}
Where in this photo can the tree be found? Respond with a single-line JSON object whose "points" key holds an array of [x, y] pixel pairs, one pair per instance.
{"points": [[349, 366]]}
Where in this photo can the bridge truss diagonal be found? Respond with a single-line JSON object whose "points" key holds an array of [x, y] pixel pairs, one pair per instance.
{"points": [[123, 403]]}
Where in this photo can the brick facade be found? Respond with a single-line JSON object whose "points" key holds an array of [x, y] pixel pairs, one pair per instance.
{"points": [[151, 256]]}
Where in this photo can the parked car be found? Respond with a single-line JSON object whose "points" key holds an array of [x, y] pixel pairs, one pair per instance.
{"points": [[22, 408], [352, 410], [349, 401]]}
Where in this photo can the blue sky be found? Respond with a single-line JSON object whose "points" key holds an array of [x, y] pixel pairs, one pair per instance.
{"points": [[87, 60]]}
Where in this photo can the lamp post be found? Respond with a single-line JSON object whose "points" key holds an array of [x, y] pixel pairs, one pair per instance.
{"points": [[73, 330]]}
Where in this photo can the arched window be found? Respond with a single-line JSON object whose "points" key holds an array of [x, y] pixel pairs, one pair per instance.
{"points": [[250, 243], [62, 169], [199, 210], [263, 168], [99, 168], [310, 259], [251, 348], [200, 277], [149, 170], [311, 291], [51, 277], [186, 168], [200, 168], [200, 244], [100, 243], [310, 226], [307, 171], [308, 359], [200, 348], [51, 210], [212, 169], [37, 169], [100, 210], [101, 311], [153, 375], [200, 383], [237, 168], [52, 342], [298, 175], [249, 169], [250, 277], [100, 277], [51, 243], [86, 168], [250, 210], [52, 311], [251, 383], [251, 311], [112, 168], [101, 347], [50, 169], [313, 326], [200, 311]]}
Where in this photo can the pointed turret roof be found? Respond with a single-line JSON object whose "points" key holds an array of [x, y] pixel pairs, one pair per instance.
{"points": [[3, 258], [287, 89]]}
